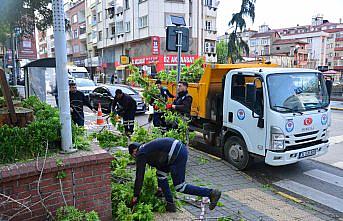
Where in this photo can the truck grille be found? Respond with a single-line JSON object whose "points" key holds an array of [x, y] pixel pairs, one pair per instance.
{"points": [[302, 140]]}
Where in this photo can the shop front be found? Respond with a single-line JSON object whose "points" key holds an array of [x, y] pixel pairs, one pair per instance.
{"points": [[156, 63]]}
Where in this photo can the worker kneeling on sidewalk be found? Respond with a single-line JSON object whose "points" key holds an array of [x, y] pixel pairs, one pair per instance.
{"points": [[167, 155]]}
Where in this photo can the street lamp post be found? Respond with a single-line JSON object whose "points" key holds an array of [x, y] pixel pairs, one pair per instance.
{"points": [[61, 74]]}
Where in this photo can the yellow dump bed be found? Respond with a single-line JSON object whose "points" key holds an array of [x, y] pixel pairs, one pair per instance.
{"points": [[209, 85]]}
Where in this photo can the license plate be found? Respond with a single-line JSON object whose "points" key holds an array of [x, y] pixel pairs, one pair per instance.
{"points": [[307, 153], [139, 108]]}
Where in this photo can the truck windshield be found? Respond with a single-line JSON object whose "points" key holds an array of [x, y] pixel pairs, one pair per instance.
{"points": [[80, 74], [295, 92]]}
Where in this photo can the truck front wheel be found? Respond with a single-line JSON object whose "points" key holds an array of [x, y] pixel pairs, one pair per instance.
{"points": [[236, 153]]}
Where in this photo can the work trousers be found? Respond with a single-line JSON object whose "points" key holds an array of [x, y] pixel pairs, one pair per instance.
{"points": [[177, 170], [129, 121]]}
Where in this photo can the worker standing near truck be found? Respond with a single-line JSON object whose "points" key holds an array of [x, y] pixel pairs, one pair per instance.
{"points": [[183, 101], [167, 155]]}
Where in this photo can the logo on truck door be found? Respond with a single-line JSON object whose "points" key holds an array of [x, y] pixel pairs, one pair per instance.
{"points": [[308, 121], [324, 119], [241, 114], [289, 126]]}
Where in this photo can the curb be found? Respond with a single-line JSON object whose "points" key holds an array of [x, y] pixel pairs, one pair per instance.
{"points": [[337, 108]]}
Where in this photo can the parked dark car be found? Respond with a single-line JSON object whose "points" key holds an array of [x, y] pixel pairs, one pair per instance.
{"points": [[105, 95]]}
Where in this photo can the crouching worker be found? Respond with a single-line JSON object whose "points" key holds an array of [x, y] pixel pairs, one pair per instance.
{"points": [[167, 155]]}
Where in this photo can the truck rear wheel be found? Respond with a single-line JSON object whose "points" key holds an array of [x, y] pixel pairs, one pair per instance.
{"points": [[236, 153]]}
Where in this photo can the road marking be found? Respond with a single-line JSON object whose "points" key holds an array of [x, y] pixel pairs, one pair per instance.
{"points": [[338, 164], [324, 176], [336, 139], [313, 194], [287, 196]]}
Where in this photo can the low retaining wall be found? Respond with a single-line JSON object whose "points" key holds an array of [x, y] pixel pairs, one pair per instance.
{"points": [[87, 184]]}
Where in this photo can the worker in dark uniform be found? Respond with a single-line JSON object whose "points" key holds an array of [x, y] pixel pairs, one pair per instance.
{"points": [[158, 118], [127, 109], [167, 155], [183, 101], [77, 101]]}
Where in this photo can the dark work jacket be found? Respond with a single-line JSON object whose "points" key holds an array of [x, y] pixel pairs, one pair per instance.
{"points": [[165, 93], [127, 104], [155, 154], [183, 103], [77, 101]]}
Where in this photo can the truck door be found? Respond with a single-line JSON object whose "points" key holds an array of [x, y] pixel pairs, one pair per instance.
{"points": [[241, 117]]}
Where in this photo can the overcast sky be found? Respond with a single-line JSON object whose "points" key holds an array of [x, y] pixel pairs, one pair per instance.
{"points": [[281, 13]]}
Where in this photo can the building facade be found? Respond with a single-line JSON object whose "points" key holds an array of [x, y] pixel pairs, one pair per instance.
{"points": [[76, 32], [137, 28]]}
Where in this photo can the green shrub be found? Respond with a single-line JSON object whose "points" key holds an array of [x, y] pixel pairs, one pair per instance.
{"points": [[70, 213]]}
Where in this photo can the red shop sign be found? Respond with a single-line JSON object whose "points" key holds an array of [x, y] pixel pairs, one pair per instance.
{"points": [[185, 59], [155, 45]]}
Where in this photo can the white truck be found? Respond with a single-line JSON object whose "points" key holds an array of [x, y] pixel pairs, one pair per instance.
{"points": [[77, 72], [279, 114]]}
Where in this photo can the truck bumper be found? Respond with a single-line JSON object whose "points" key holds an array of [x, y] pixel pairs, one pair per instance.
{"points": [[292, 156]]}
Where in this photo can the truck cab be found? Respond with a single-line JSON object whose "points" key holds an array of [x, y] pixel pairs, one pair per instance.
{"points": [[77, 72], [279, 114]]}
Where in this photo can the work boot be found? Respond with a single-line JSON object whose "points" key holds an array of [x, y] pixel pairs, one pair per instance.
{"points": [[171, 207], [214, 198], [159, 193]]}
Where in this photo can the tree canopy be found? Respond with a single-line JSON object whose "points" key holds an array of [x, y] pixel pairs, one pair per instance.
{"points": [[24, 14], [236, 45]]}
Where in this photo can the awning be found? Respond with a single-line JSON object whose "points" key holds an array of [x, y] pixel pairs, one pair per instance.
{"points": [[121, 67]]}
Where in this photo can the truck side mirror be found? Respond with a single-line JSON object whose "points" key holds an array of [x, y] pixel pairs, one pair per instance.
{"points": [[328, 85], [250, 94]]}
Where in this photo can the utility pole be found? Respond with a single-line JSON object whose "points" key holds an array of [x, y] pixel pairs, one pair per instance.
{"points": [[61, 75], [179, 48], [14, 63]]}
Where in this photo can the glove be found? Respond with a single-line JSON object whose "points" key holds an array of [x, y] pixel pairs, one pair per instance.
{"points": [[134, 201], [169, 106]]}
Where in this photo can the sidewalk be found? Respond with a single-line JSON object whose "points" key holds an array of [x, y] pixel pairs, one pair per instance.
{"points": [[336, 105], [243, 198]]}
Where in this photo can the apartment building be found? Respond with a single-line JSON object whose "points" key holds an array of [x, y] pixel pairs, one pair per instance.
{"points": [[335, 49], [137, 28], [76, 32], [260, 43], [75, 35]]}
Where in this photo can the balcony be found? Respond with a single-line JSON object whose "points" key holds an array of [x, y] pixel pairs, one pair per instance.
{"points": [[338, 48], [210, 34], [83, 37], [339, 39], [338, 58], [210, 11]]}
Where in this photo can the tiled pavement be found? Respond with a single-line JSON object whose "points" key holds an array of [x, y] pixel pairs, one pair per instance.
{"points": [[242, 197]]}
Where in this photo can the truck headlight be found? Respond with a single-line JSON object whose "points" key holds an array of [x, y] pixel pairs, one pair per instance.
{"points": [[277, 139]]}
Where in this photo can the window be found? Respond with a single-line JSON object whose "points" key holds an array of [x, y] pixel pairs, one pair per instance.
{"points": [[113, 30], [99, 17], [309, 40], [74, 18], [127, 27], [75, 34], [126, 4], [89, 37], [100, 36], [140, 1], [143, 22], [208, 2], [208, 25], [89, 20], [238, 88], [76, 48], [120, 27], [277, 48], [82, 30]]}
